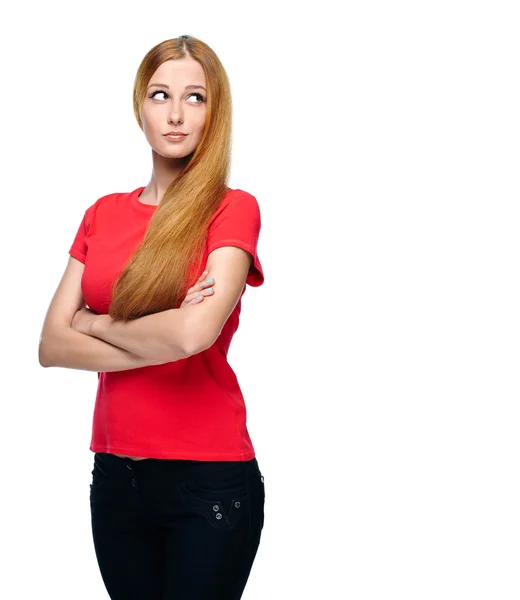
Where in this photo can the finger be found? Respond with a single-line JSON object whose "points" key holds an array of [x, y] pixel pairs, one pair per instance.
{"points": [[201, 282], [197, 300], [195, 288], [207, 283], [201, 286], [206, 292], [190, 297]]}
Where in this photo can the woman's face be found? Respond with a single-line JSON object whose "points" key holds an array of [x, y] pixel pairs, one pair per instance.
{"points": [[175, 101]]}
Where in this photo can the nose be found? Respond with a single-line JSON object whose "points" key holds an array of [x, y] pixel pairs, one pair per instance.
{"points": [[176, 115]]}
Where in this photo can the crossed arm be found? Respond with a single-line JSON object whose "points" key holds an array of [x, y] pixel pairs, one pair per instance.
{"points": [[176, 333]]}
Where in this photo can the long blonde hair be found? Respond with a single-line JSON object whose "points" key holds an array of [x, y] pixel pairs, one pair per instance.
{"points": [[155, 278]]}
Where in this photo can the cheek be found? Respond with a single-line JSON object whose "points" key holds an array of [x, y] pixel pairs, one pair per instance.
{"points": [[147, 129], [151, 121], [149, 135], [200, 126]]}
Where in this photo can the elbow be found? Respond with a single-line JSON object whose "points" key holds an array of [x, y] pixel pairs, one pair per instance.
{"points": [[198, 342], [51, 347], [43, 355], [195, 347], [195, 336]]}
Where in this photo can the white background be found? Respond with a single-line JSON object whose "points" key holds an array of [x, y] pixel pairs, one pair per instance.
{"points": [[379, 361]]}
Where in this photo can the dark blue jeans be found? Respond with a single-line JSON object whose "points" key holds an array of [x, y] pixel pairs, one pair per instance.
{"points": [[175, 529]]}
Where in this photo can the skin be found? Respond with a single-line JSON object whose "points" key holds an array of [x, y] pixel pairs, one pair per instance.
{"points": [[171, 108]]}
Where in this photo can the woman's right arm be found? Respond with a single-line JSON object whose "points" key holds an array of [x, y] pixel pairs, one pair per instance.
{"points": [[62, 346]]}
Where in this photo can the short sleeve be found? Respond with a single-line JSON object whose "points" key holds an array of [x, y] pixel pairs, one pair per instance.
{"points": [[238, 224], [78, 249]]}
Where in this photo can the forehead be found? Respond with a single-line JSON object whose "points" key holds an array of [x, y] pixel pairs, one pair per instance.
{"points": [[180, 72]]}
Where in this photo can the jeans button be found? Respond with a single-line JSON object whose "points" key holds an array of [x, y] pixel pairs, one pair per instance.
{"points": [[237, 504], [218, 516], [215, 507]]}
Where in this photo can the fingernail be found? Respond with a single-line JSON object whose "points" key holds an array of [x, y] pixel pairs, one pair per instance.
{"points": [[209, 290], [198, 297], [210, 280]]}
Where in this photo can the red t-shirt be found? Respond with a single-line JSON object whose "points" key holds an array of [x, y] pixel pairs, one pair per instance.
{"points": [[190, 409]]}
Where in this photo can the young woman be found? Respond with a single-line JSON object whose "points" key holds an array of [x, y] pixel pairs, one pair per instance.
{"points": [[177, 496]]}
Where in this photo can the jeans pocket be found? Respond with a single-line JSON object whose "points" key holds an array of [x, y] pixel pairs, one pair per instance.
{"points": [[223, 497]]}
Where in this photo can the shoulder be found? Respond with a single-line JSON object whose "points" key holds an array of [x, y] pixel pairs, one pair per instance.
{"points": [[110, 200], [105, 204], [235, 195], [237, 201]]}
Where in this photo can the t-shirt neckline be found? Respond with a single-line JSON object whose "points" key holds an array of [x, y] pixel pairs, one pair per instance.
{"points": [[134, 198]]}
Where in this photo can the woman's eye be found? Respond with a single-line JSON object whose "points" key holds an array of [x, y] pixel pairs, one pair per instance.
{"points": [[201, 97]]}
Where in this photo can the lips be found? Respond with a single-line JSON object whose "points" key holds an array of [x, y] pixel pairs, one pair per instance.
{"points": [[175, 133]]}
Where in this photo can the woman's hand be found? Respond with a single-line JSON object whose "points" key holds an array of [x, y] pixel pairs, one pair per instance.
{"points": [[82, 320], [201, 288]]}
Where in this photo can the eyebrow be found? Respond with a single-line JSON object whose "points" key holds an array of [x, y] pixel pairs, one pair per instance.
{"points": [[188, 87]]}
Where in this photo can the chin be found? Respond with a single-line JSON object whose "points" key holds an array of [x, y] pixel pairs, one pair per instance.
{"points": [[174, 154]]}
